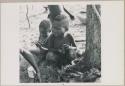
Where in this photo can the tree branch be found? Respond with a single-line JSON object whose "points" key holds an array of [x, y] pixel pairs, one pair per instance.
{"points": [[27, 11]]}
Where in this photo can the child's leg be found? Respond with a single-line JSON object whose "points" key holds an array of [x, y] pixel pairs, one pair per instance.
{"points": [[38, 54], [31, 59], [54, 59], [35, 50]]}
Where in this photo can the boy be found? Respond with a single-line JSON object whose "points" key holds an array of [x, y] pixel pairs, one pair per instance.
{"points": [[32, 55], [59, 42], [44, 31]]}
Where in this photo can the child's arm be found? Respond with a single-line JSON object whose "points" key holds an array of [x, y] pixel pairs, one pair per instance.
{"points": [[31, 59], [69, 47], [70, 38], [43, 50], [45, 44], [72, 41]]}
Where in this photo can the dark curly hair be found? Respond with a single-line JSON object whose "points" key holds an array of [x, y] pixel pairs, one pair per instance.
{"points": [[45, 24], [64, 21]]}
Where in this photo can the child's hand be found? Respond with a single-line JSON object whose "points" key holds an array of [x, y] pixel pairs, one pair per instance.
{"points": [[38, 44], [60, 50], [66, 46]]}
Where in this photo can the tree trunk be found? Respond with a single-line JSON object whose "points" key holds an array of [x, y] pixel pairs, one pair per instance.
{"points": [[93, 37]]}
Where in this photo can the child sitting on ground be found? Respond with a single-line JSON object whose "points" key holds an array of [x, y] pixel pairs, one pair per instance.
{"points": [[59, 42], [32, 55], [44, 30]]}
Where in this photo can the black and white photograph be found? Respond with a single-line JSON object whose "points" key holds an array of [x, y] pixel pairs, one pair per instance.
{"points": [[59, 43], [64, 43]]}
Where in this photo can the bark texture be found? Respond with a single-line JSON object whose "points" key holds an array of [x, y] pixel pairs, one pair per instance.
{"points": [[93, 37]]}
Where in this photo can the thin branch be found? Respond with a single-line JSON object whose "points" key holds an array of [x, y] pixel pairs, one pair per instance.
{"points": [[27, 11]]}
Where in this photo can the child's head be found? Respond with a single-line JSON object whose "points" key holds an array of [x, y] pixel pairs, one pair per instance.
{"points": [[45, 27], [60, 25]]}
